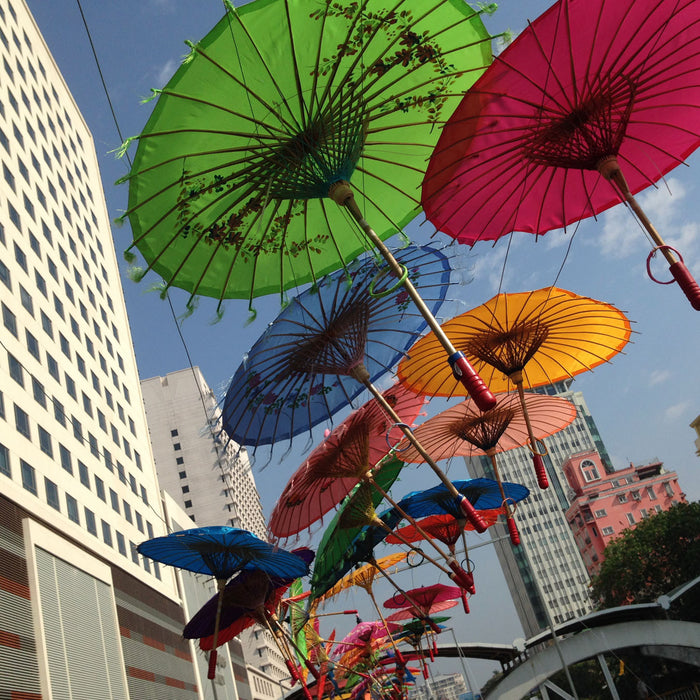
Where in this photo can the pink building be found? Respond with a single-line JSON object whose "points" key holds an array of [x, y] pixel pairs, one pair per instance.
{"points": [[606, 504]]}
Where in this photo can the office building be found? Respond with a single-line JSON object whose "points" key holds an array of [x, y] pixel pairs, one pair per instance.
{"points": [[211, 479], [545, 574], [603, 505], [81, 613], [444, 687]]}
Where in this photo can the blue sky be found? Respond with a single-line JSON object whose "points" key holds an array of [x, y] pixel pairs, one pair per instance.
{"points": [[643, 402]]}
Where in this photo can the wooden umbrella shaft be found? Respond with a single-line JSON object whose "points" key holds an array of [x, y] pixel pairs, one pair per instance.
{"points": [[494, 465], [610, 169], [364, 378], [405, 515], [341, 193], [384, 622]]}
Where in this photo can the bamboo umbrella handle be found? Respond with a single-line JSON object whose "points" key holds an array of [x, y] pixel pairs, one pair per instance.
{"points": [[609, 168], [362, 375], [341, 193], [510, 520], [537, 461]]}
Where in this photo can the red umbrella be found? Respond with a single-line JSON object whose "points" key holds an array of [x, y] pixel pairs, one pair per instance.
{"points": [[410, 613], [335, 467], [589, 89], [424, 597]]}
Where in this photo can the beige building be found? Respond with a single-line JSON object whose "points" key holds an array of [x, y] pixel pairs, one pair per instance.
{"points": [[81, 613]]}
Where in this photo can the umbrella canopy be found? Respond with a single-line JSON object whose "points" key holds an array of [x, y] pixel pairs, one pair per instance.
{"points": [[444, 527], [364, 635], [587, 90], [280, 101], [463, 431], [365, 575], [343, 459], [424, 597], [221, 551], [483, 494], [540, 337], [422, 612], [526, 339], [314, 358]]}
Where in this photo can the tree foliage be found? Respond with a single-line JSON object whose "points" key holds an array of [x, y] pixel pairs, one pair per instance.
{"points": [[660, 554]]}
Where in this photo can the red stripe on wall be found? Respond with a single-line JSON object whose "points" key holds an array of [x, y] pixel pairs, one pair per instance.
{"points": [[174, 683], [7, 639], [15, 588], [140, 673]]}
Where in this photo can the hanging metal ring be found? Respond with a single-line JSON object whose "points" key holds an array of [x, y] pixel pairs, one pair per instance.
{"points": [[394, 448], [542, 446], [415, 558], [651, 255], [391, 290]]}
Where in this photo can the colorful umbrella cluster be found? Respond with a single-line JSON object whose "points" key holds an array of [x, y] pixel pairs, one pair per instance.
{"points": [[283, 153]]}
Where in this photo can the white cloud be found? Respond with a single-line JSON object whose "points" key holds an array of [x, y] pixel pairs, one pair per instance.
{"points": [[166, 72], [675, 411], [658, 376], [623, 236]]}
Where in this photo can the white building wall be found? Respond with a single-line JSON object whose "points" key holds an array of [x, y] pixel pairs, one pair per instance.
{"points": [[211, 479]]}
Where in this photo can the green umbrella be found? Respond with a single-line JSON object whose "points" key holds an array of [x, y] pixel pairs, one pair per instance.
{"points": [[283, 106]]}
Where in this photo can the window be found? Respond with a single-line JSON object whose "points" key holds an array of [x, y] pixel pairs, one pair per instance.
{"points": [[52, 494], [644, 513], [127, 512], [188, 504], [40, 283], [94, 447], [16, 371], [174, 433], [622, 498], [137, 459], [2, 405], [59, 412], [39, 392], [28, 477], [180, 460], [177, 446], [87, 404], [100, 489], [183, 475], [600, 513], [5, 276], [149, 530], [121, 542], [32, 345], [114, 500], [650, 493], [58, 306], [144, 495], [66, 459], [22, 422], [5, 461], [53, 367], [77, 429], [139, 521], [630, 518], [72, 509], [9, 320], [134, 552], [589, 470], [185, 489], [607, 531], [26, 299], [102, 420], [106, 533], [90, 523], [95, 382], [65, 345], [70, 387], [115, 434], [81, 365], [84, 474], [132, 484], [45, 442], [668, 488]]}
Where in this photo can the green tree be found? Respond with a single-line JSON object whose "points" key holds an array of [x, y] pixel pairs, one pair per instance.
{"points": [[660, 554]]}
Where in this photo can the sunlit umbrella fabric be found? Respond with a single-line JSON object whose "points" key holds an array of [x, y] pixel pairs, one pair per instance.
{"points": [[305, 367], [337, 465], [588, 90], [277, 103]]}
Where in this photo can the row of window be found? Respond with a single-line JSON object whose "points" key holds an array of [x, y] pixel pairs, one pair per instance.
{"points": [[30, 482]]}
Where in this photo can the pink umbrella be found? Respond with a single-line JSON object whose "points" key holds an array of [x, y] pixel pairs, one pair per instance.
{"points": [[588, 90]]}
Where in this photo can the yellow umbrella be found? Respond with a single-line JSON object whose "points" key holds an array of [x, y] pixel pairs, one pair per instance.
{"points": [[524, 339]]}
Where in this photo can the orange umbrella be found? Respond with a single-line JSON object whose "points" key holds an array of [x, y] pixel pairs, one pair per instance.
{"points": [[526, 339], [463, 430]]}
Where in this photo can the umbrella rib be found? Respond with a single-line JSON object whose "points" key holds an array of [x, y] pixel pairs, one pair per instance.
{"points": [[294, 124], [303, 108]]}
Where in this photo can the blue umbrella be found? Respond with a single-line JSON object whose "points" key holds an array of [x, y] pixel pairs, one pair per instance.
{"points": [[351, 328], [483, 494], [221, 551]]}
